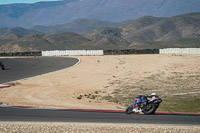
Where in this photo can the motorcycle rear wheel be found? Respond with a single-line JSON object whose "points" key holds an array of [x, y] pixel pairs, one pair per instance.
{"points": [[149, 109]]}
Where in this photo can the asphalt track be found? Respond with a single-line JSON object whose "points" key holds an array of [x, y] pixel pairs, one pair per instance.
{"points": [[47, 115], [20, 68]]}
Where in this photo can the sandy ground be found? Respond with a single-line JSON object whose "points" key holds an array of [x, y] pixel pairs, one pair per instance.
{"points": [[84, 85], [31, 127]]}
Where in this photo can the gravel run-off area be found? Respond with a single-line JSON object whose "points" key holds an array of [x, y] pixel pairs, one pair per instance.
{"points": [[55, 127]]}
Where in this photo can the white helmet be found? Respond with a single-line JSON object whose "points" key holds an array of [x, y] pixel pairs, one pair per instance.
{"points": [[153, 94]]}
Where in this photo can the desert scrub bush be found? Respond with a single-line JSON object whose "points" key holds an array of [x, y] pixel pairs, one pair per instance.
{"points": [[15, 84], [80, 97], [87, 96], [93, 96]]}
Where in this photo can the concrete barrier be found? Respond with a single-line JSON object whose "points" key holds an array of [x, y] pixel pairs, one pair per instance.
{"points": [[179, 51], [72, 52]]}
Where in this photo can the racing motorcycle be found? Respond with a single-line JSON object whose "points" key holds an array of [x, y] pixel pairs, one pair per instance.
{"points": [[144, 105]]}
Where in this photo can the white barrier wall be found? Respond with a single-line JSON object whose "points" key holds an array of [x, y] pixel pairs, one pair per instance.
{"points": [[72, 52], [179, 51]]}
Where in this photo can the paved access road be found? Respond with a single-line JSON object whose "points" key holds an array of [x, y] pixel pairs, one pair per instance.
{"points": [[46, 115], [20, 68]]}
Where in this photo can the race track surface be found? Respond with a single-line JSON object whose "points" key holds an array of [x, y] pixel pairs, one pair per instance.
{"points": [[20, 68], [46, 115]]}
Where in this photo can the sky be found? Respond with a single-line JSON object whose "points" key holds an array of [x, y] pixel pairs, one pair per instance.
{"points": [[22, 1]]}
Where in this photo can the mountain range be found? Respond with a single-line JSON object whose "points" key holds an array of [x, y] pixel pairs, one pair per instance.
{"points": [[66, 11], [79, 26], [145, 32]]}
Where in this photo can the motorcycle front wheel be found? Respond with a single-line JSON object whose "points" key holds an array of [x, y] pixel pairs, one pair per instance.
{"points": [[129, 110]]}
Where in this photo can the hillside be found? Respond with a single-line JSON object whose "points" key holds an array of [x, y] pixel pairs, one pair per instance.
{"points": [[18, 31], [162, 29], [151, 32], [148, 32], [79, 26], [43, 42], [66, 11], [61, 41]]}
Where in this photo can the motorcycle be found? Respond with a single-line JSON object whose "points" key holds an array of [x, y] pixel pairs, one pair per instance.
{"points": [[144, 105]]}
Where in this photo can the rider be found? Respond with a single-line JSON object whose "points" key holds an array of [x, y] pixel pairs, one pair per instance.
{"points": [[141, 98], [2, 66]]}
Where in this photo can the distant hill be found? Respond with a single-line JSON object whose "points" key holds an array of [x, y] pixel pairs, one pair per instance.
{"points": [[43, 42], [148, 32], [61, 41], [152, 32], [162, 29], [18, 31], [179, 43], [66, 11], [78, 26], [8, 39]]}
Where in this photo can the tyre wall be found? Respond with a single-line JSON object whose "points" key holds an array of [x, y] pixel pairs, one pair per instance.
{"points": [[38, 53], [131, 51]]}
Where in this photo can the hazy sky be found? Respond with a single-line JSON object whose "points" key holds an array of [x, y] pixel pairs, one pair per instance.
{"points": [[22, 1]]}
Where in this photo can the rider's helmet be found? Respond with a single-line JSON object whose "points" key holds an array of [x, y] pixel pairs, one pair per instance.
{"points": [[153, 94]]}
